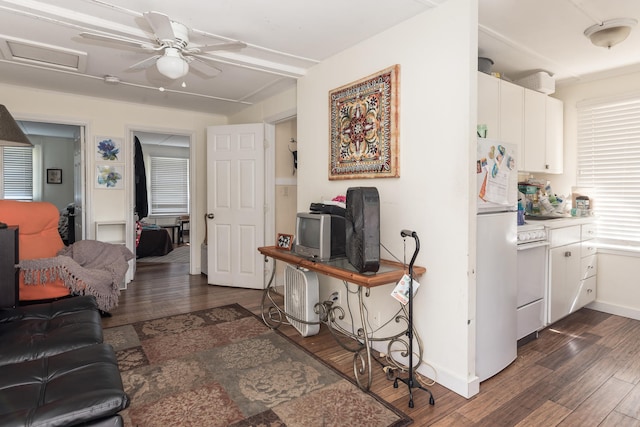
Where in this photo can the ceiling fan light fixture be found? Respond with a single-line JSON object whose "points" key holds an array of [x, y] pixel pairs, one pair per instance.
{"points": [[172, 65], [610, 32]]}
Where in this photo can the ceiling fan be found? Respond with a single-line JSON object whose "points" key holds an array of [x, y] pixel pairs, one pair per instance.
{"points": [[172, 44]]}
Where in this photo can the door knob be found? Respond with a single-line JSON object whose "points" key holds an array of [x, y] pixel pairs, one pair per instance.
{"points": [[211, 216]]}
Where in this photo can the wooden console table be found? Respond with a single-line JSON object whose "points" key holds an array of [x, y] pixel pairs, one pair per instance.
{"points": [[389, 272]]}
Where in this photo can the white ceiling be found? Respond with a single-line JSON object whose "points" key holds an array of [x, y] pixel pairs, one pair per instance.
{"points": [[524, 36], [285, 38]]}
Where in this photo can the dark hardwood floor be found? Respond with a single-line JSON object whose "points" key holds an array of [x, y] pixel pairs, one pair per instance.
{"points": [[582, 371]]}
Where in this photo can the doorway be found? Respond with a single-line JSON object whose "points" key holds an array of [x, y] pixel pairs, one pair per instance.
{"points": [[162, 215], [58, 152]]}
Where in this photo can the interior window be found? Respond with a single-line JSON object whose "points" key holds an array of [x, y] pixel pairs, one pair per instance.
{"points": [[609, 161], [17, 173], [169, 186]]}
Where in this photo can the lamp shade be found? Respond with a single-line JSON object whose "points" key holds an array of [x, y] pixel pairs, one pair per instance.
{"points": [[171, 64], [10, 132]]}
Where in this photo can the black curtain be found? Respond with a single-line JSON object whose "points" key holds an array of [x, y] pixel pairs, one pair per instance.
{"points": [[142, 204]]}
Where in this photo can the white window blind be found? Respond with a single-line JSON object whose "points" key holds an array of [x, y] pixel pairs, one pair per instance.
{"points": [[609, 161], [169, 185], [17, 173]]}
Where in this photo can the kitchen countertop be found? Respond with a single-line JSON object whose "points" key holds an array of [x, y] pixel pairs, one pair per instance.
{"points": [[561, 222]]}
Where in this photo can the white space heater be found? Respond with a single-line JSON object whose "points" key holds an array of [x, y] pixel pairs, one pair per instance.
{"points": [[300, 295]]}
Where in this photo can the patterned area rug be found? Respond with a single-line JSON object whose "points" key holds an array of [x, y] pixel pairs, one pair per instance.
{"points": [[224, 367]]}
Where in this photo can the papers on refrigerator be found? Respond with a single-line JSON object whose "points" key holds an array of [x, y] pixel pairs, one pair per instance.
{"points": [[401, 291]]}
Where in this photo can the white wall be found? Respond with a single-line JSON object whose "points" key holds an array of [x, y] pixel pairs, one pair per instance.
{"points": [[617, 285], [437, 53], [286, 199], [103, 117]]}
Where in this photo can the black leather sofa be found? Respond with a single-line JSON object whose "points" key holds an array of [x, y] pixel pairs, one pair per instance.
{"points": [[54, 368]]}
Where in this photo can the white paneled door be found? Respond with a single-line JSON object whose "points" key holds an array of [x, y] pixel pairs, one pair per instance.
{"points": [[235, 205]]}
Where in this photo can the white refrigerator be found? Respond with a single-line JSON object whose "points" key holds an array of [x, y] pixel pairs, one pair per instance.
{"points": [[496, 264]]}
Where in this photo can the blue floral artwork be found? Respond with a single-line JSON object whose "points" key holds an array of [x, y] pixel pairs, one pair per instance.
{"points": [[107, 149], [109, 177]]}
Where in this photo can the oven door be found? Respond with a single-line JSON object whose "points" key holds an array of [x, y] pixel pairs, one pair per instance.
{"points": [[532, 284]]}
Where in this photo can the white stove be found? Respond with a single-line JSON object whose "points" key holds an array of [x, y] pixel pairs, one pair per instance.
{"points": [[531, 233], [532, 273]]}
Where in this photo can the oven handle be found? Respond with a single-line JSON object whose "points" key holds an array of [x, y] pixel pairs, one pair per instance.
{"points": [[525, 246]]}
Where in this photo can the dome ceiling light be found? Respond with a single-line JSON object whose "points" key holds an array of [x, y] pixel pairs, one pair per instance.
{"points": [[610, 33]]}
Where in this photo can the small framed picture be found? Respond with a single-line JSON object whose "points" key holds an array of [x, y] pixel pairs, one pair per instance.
{"points": [[284, 241], [54, 176]]}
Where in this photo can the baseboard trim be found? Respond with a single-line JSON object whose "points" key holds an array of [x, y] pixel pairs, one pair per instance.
{"points": [[618, 310]]}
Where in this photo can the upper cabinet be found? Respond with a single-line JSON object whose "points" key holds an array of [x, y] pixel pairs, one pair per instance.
{"points": [[555, 135], [489, 104], [531, 120]]}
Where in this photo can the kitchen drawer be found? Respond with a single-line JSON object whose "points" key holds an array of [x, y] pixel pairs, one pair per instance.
{"points": [[586, 292], [588, 248], [564, 236], [588, 231], [589, 266]]}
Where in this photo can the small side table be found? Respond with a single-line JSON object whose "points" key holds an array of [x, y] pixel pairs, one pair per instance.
{"points": [[9, 257], [175, 232], [181, 232]]}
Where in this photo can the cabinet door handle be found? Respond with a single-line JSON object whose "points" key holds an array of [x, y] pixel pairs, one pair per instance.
{"points": [[567, 254]]}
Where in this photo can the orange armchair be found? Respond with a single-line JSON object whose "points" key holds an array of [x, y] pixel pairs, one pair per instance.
{"points": [[38, 238]]}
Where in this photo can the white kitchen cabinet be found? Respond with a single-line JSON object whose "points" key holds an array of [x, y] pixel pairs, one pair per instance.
{"points": [[501, 107], [554, 144], [512, 116], [572, 269], [531, 120], [543, 133], [535, 132], [489, 104]]}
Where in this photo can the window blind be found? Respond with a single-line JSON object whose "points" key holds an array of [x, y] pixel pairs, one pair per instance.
{"points": [[609, 161], [169, 185], [17, 173]]}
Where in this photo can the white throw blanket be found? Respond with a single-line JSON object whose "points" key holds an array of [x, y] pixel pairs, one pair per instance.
{"points": [[86, 267]]}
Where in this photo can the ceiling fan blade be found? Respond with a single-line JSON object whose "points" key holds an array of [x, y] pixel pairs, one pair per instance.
{"points": [[120, 40], [145, 63], [160, 24], [219, 46], [205, 67]]}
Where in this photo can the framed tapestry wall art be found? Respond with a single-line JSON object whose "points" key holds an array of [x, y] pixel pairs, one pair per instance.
{"points": [[364, 127]]}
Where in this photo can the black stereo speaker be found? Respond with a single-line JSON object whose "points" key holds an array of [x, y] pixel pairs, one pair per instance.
{"points": [[362, 225]]}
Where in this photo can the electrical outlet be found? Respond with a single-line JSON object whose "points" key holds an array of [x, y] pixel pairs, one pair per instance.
{"points": [[335, 297]]}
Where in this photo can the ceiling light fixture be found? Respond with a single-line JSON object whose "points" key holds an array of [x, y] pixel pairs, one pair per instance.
{"points": [[610, 33], [172, 64]]}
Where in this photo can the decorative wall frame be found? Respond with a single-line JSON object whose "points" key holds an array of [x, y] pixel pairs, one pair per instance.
{"points": [[284, 241], [108, 149], [110, 176], [54, 176], [364, 127]]}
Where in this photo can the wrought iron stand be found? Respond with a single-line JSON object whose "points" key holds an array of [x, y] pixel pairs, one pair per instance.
{"points": [[357, 342]]}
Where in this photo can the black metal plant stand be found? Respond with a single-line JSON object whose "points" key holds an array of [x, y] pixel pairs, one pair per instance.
{"points": [[410, 381]]}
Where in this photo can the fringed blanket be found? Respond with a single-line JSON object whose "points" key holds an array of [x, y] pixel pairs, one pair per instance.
{"points": [[86, 267]]}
